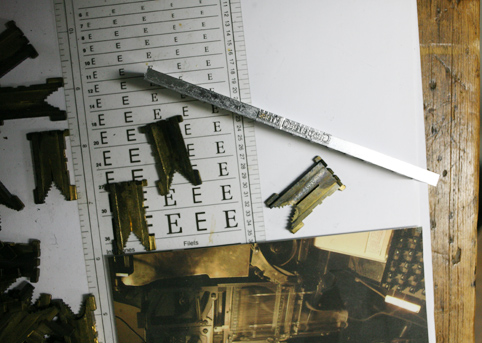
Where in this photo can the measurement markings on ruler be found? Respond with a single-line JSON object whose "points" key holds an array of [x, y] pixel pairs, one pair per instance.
{"points": [[104, 51]]}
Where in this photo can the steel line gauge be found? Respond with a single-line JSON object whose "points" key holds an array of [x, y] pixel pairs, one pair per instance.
{"points": [[297, 129], [105, 48]]}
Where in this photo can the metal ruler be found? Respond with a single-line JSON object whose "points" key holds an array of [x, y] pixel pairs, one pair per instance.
{"points": [[293, 127], [105, 47]]}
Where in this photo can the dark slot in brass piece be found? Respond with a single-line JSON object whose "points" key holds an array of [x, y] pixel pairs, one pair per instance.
{"points": [[29, 101], [50, 164], [14, 48], [170, 152], [307, 193], [128, 214], [10, 200], [17, 260]]}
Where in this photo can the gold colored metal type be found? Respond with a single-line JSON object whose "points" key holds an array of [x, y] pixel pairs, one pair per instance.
{"points": [[307, 193], [14, 48], [17, 322], [17, 260], [50, 164], [170, 152], [10, 200], [128, 214], [29, 101], [83, 324], [44, 321]]}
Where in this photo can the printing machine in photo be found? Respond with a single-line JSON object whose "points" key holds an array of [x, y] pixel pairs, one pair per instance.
{"points": [[362, 287]]}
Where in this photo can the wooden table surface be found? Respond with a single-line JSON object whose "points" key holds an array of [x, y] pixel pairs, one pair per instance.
{"points": [[449, 44]]}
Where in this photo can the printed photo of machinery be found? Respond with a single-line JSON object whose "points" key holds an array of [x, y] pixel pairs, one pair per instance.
{"points": [[361, 287]]}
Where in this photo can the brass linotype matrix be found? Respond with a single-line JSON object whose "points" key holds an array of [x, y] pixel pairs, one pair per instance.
{"points": [[170, 152], [50, 164], [128, 214], [29, 101], [307, 193]]}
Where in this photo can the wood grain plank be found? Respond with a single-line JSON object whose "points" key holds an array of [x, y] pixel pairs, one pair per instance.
{"points": [[449, 42]]}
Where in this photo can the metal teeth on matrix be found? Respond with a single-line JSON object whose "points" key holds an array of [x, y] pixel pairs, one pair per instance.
{"points": [[308, 192]]}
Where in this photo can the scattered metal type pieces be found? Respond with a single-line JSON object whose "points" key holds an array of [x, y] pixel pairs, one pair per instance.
{"points": [[14, 48], [18, 298], [291, 126], [10, 200], [128, 214], [29, 101], [50, 164], [170, 152], [44, 321], [307, 193], [83, 324], [17, 260]]}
